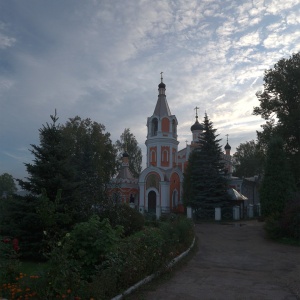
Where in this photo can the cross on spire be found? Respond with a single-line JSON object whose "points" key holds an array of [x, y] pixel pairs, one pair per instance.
{"points": [[161, 77], [196, 109], [227, 137]]}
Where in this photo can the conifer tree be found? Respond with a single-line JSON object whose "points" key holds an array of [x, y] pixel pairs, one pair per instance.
{"points": [[278, 185], [51, 169], [204, 183]]}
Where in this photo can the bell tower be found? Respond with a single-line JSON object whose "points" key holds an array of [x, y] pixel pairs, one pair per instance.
{"points": [[162, 144]]}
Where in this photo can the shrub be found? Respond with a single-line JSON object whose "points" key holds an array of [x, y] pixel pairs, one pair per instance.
{"points": [[140, 255], [136, 257], [72, 260], [286, 224], [121, 214], [9, 262], [273, 226], [290, 221]]}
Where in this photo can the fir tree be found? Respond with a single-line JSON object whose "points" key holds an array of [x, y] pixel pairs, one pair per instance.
{"points": [[204, 183], [51, 169], [278, 185]]}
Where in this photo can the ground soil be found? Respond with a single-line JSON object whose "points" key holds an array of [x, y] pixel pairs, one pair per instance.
{"points": [[232, 261]]}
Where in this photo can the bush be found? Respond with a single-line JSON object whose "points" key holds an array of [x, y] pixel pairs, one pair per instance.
{"points": [[287, 224], [273, 226], [140, 255], [136, 257], [72, 260], [121, 214], [9, 262], [290, 221]]}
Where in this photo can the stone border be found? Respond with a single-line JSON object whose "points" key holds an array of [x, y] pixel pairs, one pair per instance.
{"points": [[150, 277]]}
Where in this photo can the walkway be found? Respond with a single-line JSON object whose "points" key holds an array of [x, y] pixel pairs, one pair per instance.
{"points": [[234, 262]]}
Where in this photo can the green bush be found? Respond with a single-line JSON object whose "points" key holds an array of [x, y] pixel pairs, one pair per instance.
{"points": [[273, 226], [9, 262], [72, 260], [286, 224], [290, 221], [93, 261], [121, 214], [136, 257], [140, 255]]}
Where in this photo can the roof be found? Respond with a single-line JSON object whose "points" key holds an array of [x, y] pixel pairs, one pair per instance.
{"points": [[235, 195], [197, 126], [162, 107]]}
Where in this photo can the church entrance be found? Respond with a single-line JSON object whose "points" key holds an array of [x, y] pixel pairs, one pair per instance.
{"points": [[152, 202]]}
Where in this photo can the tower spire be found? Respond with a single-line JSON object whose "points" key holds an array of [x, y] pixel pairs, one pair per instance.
{"points": [[161, 77], [227, 146]]}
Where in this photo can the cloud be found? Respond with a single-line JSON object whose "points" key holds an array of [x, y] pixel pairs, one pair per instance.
{"points": [[102, 60]]}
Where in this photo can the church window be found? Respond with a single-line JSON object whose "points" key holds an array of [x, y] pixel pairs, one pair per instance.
{"points": [[165, 124], [174, 128], [165, 157], [153, 156], [154, 127]]}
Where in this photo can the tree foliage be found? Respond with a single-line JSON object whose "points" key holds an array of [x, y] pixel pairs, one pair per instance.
{"points": [[78, 159], [280, 107], [204, 183], [7, 185], [277, 186], [248, 160], [51, 168], [128, 143], [19, 219], [93, 157]]}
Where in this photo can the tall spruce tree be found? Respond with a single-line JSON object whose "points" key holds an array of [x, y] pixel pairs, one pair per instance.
{"points": [[204, 183], [278, 185], [51, 169]]}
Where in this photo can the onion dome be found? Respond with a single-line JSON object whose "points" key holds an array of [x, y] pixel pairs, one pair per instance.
{"points": [[196, 126], [161, 85], [227, 147], [125, 154]]}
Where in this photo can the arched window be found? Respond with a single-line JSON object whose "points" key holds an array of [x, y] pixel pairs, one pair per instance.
{"points": [[154, 127], [153, 156], [165, 156], [174, 128], [175, 199]]}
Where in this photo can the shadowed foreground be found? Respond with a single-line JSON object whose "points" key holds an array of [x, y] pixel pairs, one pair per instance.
{"points": [[234, 262]]}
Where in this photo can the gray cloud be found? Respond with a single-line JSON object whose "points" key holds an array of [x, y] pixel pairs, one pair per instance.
{"points": [[102, 59]]}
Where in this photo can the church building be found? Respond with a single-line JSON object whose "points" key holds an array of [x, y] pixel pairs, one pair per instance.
{"points": [[160, 184], [159, 187]]}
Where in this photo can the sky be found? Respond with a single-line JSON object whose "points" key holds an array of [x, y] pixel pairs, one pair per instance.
{"points": [[102, 60]]}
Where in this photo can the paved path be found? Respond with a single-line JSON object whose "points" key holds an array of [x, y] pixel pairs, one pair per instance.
{"points": [[234, 262]]}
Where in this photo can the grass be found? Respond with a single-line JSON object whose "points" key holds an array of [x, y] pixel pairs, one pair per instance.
{"points": [[32, 268]]}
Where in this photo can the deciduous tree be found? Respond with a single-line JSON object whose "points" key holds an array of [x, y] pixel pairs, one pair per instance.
{"points": [[7, 185], [277, 185], [129, 143], [280, 107], [248, 160]]}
